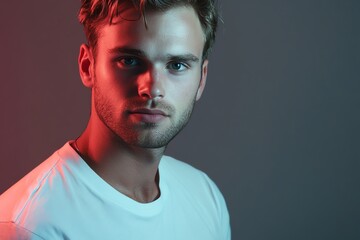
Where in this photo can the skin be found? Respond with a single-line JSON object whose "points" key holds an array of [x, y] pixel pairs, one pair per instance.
{"points": [[144, 85]]}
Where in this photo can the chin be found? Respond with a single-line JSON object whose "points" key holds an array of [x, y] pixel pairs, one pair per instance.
{"points": [[152, 142]]}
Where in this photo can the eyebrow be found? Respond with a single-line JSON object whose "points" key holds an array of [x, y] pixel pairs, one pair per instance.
{"points": [[182, 57], [127, 50], [187, 57]]}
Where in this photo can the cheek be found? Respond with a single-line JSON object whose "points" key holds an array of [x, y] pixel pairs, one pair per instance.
{"points": [[184, 95], [115, 83]]}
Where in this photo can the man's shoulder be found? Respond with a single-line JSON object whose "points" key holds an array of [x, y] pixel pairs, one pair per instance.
{"points": [[15, 200], [193, 188], [190, 178]]}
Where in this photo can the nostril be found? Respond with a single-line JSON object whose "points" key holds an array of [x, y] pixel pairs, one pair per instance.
{"points": [[151, 94], [145, 95]]}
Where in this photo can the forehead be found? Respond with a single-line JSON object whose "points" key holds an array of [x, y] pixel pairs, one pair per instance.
{"points": [[178, 27]]}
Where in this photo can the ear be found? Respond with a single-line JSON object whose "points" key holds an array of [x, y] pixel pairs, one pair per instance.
{"points": [[86, 66], [204, 70]]}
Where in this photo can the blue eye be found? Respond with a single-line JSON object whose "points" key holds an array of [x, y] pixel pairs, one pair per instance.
{"points": [[177, 66]]}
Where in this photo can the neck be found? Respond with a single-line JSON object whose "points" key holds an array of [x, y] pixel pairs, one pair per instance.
{"points": [[131, 170]]}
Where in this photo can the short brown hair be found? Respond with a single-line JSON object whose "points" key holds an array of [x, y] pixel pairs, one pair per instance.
{"points": [[93, 13]]}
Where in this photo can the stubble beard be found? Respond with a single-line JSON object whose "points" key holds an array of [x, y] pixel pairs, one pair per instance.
{"points": [[147, 135]]}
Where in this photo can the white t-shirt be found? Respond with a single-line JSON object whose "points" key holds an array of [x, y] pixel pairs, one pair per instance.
{"points": [[63, 198]]}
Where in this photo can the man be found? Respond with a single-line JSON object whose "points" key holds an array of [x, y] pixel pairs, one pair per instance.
{"points": [[146, 65]]}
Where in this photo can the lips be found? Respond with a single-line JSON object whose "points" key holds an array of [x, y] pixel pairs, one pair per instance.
{"points": [[148, 111], [148, 115]]}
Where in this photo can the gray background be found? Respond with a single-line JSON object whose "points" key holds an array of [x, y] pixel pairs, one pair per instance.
{"points": [[277, 128]]}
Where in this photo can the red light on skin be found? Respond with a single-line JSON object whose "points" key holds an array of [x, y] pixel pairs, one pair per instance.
{"points": [[148, 115]]}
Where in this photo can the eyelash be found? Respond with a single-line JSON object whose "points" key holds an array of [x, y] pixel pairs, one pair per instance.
{"points": [[186, 66], [126, 58]]}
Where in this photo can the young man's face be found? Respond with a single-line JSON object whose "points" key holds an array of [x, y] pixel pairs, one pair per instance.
{"points": [[146, 81]]}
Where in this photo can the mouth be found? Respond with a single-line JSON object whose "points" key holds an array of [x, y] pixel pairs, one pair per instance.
{"points": [[148, 111], [148, 115]]}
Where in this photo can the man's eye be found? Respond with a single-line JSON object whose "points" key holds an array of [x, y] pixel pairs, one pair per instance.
{"points": [[177, 66], [129, 61]]}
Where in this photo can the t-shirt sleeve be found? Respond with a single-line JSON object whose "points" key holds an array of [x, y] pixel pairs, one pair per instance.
{"points": [[11, 231]]}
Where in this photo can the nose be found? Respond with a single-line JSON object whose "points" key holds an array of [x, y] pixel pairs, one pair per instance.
{"points": [[150, 85]]}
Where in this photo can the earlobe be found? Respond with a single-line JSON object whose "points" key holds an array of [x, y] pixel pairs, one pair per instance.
{"points": [[202, 84], [85, 62]]}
